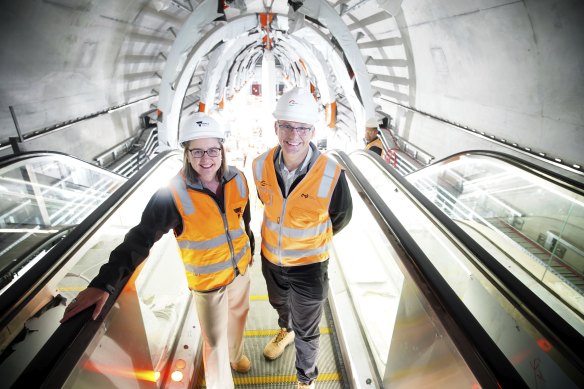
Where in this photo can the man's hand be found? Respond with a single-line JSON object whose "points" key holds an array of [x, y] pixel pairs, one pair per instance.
{"points": [[84, 300]]}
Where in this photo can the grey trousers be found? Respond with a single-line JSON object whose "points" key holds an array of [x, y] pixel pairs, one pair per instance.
{"points": [[298, 293]]}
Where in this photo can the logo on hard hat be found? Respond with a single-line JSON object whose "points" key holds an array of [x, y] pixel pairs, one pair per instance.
{"points": [[201, 123], [292, 102]]}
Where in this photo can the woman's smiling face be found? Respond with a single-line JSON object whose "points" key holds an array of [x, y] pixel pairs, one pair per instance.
{"points": [[207, 165]]}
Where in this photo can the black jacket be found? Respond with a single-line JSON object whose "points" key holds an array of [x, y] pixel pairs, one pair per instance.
{"points": [[160, 216]]}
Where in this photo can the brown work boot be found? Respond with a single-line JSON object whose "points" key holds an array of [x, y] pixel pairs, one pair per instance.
{"points": [[306, 385], [278, 343], [242, 366]]}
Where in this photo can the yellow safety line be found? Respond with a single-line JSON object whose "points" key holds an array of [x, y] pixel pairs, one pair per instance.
{"points": [[258, 298], [327, 377], [277, 379], [257, 333], [71, 289]]}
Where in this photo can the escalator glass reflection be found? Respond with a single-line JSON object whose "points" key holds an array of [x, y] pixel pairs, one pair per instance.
{"points": [[535, 226], [137, 337], [513, 332], [43, 198]]}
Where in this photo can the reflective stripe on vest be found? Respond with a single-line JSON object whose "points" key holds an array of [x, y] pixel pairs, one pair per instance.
{"points": [[298, 233], [218, 266], [213, 243], [299, 253], [210, 243], [296, 230], [259, 166]]}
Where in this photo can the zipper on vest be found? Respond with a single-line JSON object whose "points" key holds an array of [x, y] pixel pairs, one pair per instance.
{"points": [[280, 227], [229, 242]]}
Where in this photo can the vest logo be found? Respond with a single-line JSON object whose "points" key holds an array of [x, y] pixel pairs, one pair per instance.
{"points": [[263, 183], [304, 195], [238, 211]]}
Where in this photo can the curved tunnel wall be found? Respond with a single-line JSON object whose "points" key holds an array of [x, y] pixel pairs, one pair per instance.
{"points": [[510, 69], [513, 70]]}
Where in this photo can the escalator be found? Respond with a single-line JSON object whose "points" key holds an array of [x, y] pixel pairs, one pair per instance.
{"points": [[401, 311], [49, 190], [528, 317]]}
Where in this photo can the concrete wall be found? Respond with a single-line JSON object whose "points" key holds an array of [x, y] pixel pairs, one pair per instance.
{"points": [[88, 138], [65, 59], [512, 69]]}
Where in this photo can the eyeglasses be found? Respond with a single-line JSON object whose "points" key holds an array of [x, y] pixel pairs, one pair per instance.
{"points": [[212, 152], [288, 129]]}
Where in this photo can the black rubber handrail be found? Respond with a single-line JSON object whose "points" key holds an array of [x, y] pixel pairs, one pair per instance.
{"points": [[489, 364], [549, 175], [52, 365], [13, 158], [28, 285], [563, 336]]}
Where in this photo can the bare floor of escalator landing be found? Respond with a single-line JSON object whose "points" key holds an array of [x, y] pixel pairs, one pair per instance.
{"points": [[262, 325]]}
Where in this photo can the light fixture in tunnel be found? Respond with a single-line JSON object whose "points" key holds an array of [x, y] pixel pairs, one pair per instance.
{"points": [[180, 364], [177, 376]]}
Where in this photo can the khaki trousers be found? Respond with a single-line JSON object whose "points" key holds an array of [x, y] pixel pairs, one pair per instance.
{"points": [[222, 315]]}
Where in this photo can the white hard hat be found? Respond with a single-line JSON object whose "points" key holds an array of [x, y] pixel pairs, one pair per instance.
{"points": [[297, 105], [371, 123], [198, 126]]}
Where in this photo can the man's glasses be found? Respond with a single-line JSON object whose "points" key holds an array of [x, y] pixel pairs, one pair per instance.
{"points": [[212, 152], [288, 129]]}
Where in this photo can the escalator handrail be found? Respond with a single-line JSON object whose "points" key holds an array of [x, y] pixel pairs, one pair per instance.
{"points": [[14, 158], [28, 285], [52, 365], [539, 171], [483, 356], [563, 336]]}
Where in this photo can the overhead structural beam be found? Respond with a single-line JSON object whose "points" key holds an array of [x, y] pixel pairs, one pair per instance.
{"points": [[375, 18], [322, 11], [189, 33], [188, 7]]}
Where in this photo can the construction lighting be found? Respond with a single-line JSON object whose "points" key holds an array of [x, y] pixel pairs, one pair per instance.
{"points": [[177, 376]]}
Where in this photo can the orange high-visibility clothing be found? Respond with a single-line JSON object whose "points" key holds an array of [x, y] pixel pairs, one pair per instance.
{"points": [[213, 243], [376, 143], [296, 230]]}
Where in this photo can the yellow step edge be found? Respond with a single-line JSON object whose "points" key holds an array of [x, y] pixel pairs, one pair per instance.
{"points": [[279, 379], [71, 289], [258, 298], [258, 333]]}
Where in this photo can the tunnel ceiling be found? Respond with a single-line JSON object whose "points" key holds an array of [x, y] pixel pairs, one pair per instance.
{"points": [[506, 72]]}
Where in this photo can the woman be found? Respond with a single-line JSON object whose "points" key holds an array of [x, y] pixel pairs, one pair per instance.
{"points": [[206, 199]]}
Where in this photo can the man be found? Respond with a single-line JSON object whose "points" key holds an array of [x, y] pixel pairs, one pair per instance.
{"points": [[373, 142], [306, 200]]}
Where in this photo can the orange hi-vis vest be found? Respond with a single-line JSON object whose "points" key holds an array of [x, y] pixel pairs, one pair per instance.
{"points": [[376, 143], [212, 244], [296, 230]]}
